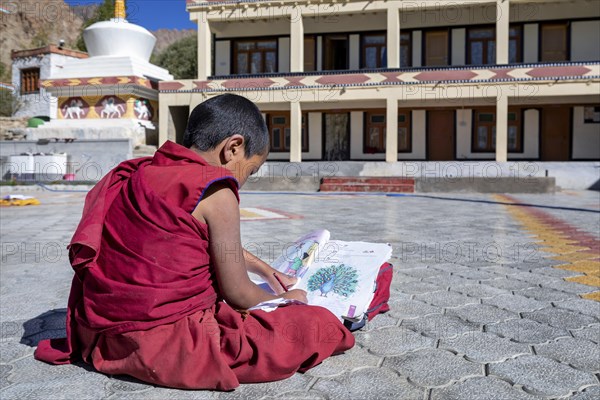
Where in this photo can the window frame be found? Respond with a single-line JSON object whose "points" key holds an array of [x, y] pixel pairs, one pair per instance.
{"points": [[405, 62], [518, 37], [30, 80], [324, 58], [367, 124], [271, 126], [567, 26], [255, 40], [491, 148]]}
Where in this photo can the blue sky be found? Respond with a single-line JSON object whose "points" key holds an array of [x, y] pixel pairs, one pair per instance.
{"points": [[153, 14]]}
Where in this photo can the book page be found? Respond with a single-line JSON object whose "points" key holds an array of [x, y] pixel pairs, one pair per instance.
{"points": [[343, 279]]}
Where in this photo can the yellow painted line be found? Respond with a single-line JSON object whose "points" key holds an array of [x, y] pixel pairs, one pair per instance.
{"points": [[559, 246], [249, 214], [592, 296]]}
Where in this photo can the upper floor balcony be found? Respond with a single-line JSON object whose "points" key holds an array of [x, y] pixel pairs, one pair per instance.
{"points": [[264, 37]]}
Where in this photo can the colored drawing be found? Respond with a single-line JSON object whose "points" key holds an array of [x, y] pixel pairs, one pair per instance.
{"points": [[339, 279], [74, 108], [306, 254], [143, 109], [110, 107]]}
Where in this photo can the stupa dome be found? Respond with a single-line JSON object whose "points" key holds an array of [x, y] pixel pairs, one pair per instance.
{"points": [[118, 37]]}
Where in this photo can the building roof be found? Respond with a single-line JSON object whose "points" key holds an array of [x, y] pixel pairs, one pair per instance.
{"points": [[50, 49]]}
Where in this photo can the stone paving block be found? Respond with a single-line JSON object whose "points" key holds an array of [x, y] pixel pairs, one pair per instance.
{"points": [[546, 294], [590, 393], [556, 272], [478, 290], [408, 309], [591, 333], [509, 284], [535, 278], [583, 306], [440, 326], [580, 353], [5, 371], [295, 383], [446, 299], [355, 358], [160, 393], [516, 303], [416, 287], [380, 321], [481, 388], [484, 347], [393, 341], [502, 270], [560, 318], [543, 376], [480, 274], [526, 331], [482, 314], [90, 385], [421, 272], [571, 287], [11, 350], [448, 367], [449, 280], [18, 328], [369, 384]]}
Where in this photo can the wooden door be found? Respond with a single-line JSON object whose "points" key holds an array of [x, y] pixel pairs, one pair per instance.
{"points": [[436, 48], [555, 134], [440, 135], [554, 42]]}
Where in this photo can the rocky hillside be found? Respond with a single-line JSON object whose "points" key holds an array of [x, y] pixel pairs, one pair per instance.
{"points": [[166, 37], [36, 23]]}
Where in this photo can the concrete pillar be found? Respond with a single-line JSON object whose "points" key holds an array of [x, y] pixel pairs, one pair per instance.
{"points": [[296, 132], [502, 128], [163, 121], [502, 31], [391, 137], [204, 47], [393, 37], [296, 41]]}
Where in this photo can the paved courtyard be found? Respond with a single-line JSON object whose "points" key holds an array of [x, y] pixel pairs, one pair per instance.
{"points": [[489, 300]]}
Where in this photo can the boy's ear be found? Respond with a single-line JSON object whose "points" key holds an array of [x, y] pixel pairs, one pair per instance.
{"points": [[234, 146]]}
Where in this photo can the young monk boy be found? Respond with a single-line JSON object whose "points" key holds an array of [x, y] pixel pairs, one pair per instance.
{"points": [[161, 280]]}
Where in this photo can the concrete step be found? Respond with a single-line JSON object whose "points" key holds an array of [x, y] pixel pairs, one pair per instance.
{"points": [[368, 180], [371, 187]]}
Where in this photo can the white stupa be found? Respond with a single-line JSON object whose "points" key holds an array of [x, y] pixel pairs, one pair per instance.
{"points": [[111, 94]]}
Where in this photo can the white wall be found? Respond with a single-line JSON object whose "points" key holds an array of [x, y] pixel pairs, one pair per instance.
{"points": [[418, 137], [585, 40], [417, 38], [319, 53], [41, 103], [284, 54], [459, 40], [222, 57], [464, 128], [354, 50], [530, 43], [586, 137]]}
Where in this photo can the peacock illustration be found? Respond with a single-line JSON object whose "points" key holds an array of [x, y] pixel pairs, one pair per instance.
{"points": [[341, 279]]}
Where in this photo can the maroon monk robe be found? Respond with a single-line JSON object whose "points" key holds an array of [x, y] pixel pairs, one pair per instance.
{"points": [[144, 300]]}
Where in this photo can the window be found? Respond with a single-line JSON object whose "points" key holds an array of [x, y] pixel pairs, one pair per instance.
{"points": [[374, 51], [280, 131], [436, 48], [30, 79], [254, 56], [481, 45], [335, 52], [553, 42], [375, 132], [484, 131]]}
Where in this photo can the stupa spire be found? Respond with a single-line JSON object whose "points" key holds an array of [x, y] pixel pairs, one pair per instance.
{"points": [[120, 12]]}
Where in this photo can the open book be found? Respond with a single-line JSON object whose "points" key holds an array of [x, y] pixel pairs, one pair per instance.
{"points": [[339, 276]]}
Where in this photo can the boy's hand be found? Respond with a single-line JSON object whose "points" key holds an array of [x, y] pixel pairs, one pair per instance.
{"points": [[296, 294], [287, 280]]}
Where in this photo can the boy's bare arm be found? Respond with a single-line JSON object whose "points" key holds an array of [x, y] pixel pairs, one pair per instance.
{"points": [[219, 208]]}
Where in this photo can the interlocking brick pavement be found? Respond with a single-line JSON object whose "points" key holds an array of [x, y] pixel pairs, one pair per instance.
{"points": [[480, 308]]}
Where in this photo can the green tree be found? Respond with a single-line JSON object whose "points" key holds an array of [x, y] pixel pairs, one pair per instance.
{"points": [[104, 12], [180, 58]]}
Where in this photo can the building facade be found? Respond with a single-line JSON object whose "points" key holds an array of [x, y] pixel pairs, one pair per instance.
{"points": [[454, 80], [31, 66]]}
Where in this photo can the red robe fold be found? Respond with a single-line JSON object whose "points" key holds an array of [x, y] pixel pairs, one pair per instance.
{"points": [[144, 300]]}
